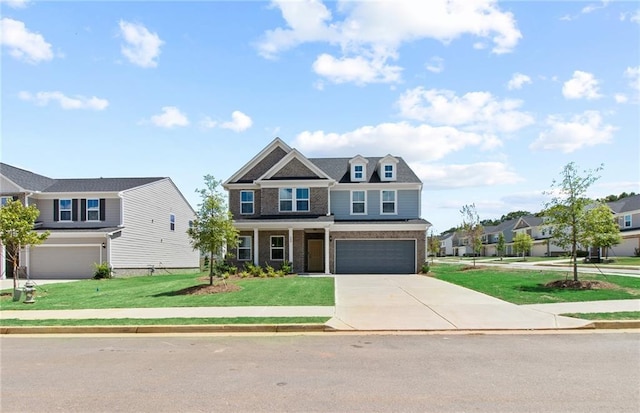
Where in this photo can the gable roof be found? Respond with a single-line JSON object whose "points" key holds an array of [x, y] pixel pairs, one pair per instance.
{"points": [[26, 180], [294, 154], [628, 204], [276, 143]]}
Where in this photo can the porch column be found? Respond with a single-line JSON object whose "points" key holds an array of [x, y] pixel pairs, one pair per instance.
{"points": [[256, 245], [290, 246], [326, 251]]}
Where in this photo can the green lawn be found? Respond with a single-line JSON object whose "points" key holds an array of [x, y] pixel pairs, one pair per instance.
{"points": [[12, 322], [623, 315], [162, 291], [527, 287]]}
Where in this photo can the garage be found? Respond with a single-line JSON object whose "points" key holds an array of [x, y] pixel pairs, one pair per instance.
{"points": [[64, 261], [375, 256]]}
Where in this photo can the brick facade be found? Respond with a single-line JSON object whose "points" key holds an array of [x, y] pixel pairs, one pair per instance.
{"points": [[318, 198]]}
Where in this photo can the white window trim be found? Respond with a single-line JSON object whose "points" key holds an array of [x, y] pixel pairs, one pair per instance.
{"points": [[353, 172], [624, 221], [272, 248], [92, 209], [351, 203], [393, 172], [253, 197], [172, 222], [5, 199], [294, 199], [395, 202], [249, 247], [60, 210]]}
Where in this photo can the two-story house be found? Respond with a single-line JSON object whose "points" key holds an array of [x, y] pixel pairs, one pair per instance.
{"points": [[134, 224], [328, 215], [627, 214], [540, 232]]}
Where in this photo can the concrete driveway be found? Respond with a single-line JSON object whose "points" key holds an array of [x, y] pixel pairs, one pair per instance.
{"points": [[415, 302]]}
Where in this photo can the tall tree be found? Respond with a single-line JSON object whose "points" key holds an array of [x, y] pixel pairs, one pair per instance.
{"points": [[565, 212], [16, 232], [471, 229], [522, 243], [600, 230], [213, 229], [500, 246]]}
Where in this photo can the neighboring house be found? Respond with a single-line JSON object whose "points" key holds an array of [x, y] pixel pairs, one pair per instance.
{"points": [[491, 235], [540, 232], [133, 224], [627, 214], [328, 215], [447, 243]]}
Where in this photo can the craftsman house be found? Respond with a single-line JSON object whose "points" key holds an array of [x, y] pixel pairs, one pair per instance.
{"points": [[328, 215], [136, 225]]}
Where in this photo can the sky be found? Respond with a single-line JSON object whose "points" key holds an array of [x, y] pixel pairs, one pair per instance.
{"points": [[487, 101]]}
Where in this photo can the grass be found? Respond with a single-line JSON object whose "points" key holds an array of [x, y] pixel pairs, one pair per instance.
{"points": [[622, 315], [13, 322], [527, 287], [617, 261], [163, 291]]}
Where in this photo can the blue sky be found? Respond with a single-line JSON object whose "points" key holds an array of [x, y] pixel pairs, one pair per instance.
{"points": [[486, 100]]}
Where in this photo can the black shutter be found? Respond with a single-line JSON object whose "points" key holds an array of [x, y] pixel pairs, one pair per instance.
{"points": [[15, 197], [102, 209], [55, 209], [83, 209], [74, 209]]}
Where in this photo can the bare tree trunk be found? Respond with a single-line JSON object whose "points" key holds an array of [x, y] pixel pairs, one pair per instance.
{"points": [[211, 268]]}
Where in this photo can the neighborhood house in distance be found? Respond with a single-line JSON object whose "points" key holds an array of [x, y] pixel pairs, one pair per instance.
{"points": [[328, 215], [136, 225]]}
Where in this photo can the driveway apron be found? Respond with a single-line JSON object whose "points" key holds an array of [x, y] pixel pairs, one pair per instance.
{"points": [[414, 302]]}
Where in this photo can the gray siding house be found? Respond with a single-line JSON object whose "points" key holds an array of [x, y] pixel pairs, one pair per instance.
{"points": [[328, 215], [627, 215], [134, 224]]}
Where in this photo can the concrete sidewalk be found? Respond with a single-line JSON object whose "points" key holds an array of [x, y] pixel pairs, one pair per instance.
{"points": [[608, 306]]}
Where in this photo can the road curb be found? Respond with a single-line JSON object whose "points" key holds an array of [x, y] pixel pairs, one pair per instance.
{"points": [[164, 329], [615, 324]]}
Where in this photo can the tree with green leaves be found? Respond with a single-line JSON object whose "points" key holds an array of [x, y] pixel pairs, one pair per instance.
{"points": [[434, 246], [600, 229], [500, 246], [16, 232], [565, 212], [514, 215], [522, 243], [213, 229], [471, 229]]}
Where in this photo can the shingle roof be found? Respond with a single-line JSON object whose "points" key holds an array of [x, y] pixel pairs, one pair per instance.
{"points": [[631, 203], [25, 179], [338, 169]]}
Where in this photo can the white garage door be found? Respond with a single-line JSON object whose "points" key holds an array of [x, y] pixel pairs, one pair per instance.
{"points": [[64, 262]]}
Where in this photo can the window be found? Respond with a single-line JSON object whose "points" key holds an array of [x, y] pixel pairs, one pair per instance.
{"points": [[65, 210], [246, 202], [244, 248], [388, 172], [277, 247], [358, 172], [294, 199], [388, 199], [4, 200], [358, 202], [172, 222], [93, 210], [627, 221]]}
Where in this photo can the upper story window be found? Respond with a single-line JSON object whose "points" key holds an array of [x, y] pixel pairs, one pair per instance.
{"points": [[93, 210], [293, 199], [627, 221], [358, 202], [172, 222], [387, 168], [389, 172], [246, 202], [388, 200], [64, 210], [277, 247], [358, 168], [358, 172], [244, 248]]}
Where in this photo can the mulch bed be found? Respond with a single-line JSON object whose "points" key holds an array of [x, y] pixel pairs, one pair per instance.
{"points": [[581, 285], [205, 289]]}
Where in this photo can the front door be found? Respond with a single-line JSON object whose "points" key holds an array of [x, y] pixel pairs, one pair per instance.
{"points": [[315, 255]]}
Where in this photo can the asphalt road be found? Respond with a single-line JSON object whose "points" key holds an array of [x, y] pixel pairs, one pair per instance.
{"points": [[569, 372]]}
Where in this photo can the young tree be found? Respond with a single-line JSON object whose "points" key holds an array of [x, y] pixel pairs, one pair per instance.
{"points": [[600, 230], [522, 243], [213, 229], [500, 246], [565, 212], [472, 229], [434, 246], [16, 232]]}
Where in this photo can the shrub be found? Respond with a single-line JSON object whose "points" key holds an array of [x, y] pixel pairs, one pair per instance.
{"points": [[253, 270], [102, 271], [286, 267], [425, 268], [271, 272], [232, 270]]}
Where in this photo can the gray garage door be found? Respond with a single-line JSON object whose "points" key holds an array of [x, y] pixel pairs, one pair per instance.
{"points": [[64, 262], [375, 256]]}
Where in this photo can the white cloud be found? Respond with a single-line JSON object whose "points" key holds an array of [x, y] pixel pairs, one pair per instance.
{"points": [[65, 102], [474, 110], [581, 85], [15, 4], [586, 10], [620, 98], [239, 122], [373, 31], [414, 143], [435, 65], [142, 47], [439, 176], [517, 81], [23, 44], [170, 117], [633, 73], [586, 129]]}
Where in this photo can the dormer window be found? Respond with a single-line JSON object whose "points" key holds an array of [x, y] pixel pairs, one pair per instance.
{"points": [[388, 168], [358, 172], [389, 172], [358, 169]]}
